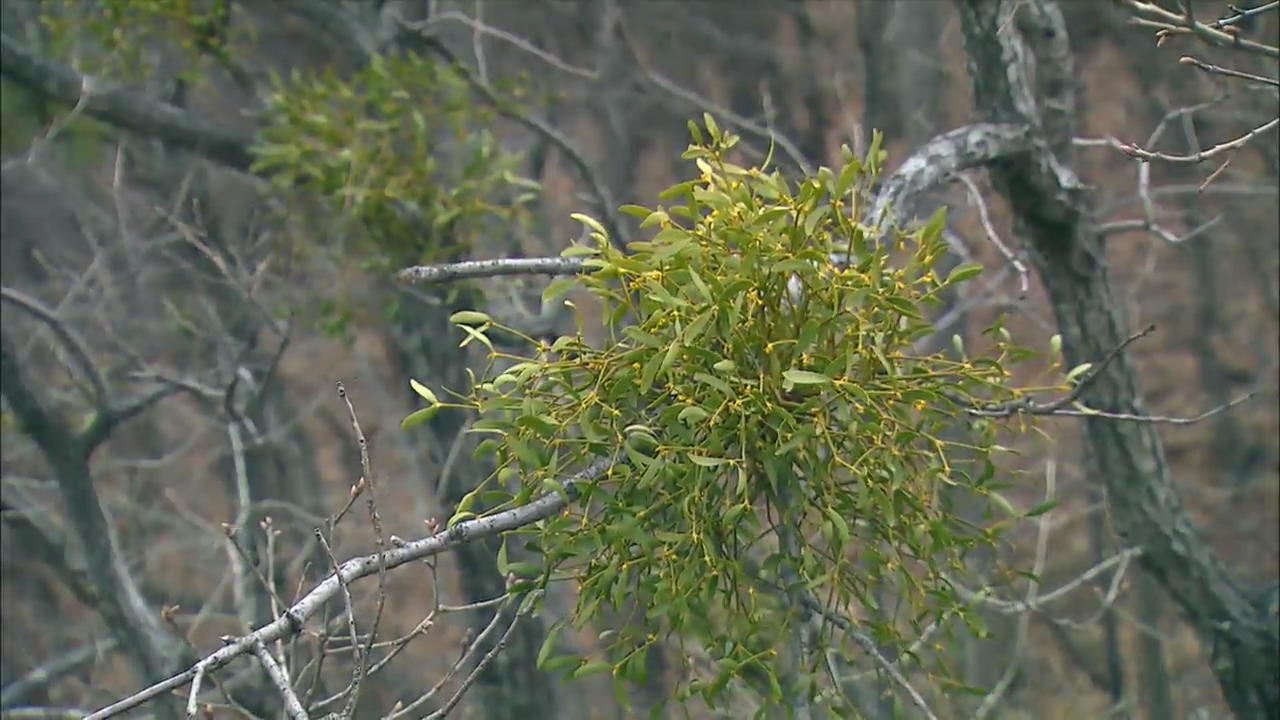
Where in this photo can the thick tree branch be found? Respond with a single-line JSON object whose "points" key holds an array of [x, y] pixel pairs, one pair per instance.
{"points": [[42, 541], [123, 109], [54, 438], [66, 336], [942, 157], [107, 415]]}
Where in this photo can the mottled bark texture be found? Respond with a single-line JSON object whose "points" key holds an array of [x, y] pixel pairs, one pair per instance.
{"points": [[1021, 69]]}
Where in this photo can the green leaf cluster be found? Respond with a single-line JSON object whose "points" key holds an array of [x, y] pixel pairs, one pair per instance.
{"points": [[401, 147], [111, 38], [759, 381]]}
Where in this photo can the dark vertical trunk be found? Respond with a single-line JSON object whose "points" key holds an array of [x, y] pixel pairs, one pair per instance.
{"points": [[1154, 690], [1002, 37], [880, 111], [1113, 653]]}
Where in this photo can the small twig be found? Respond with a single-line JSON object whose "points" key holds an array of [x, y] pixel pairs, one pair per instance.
{"points": [[58, 125], [1108, 599], [480, 27], [1007, 607], [450, 460], [976, 195], [497, 648], [1219, 70], [192, 706], [281, 681], [400, 644], [239, 559], [317, 663], [270, 533], [1159, 231], [67, 337], [605, 205], [354, 494], [1042, 544], [362, 659], [1172, 23], [914, 648], [868, 646], [745, 124], [477, 44], [1214, 175], [467, 651], [346, 596], [1255, 190], [808, 602], [1165, 419], [478, 605], [1031, 407], [1149, 222], [232, 533]]}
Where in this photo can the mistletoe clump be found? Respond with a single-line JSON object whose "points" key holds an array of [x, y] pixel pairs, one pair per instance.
{"points": [[779, 446], [401, 146]]}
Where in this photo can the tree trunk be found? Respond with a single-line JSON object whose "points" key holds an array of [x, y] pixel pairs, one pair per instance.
{"points": [[1004, 39]]}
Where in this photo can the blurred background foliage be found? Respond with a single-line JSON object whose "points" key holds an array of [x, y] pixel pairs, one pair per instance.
{"points": [[375, 150]]}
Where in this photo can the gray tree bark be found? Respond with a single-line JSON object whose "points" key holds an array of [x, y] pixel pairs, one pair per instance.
{"points": [[1021, 68]]}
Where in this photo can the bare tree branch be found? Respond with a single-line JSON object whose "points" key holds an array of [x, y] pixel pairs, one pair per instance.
{"points": [[516, 40], [50, 672], [67, 337], [426, 274], [949, 153], [976, 195], [1240, 14], [291, 622], [281, 680], [1152, 15], [467, 682], [605, 204], [1219, 70], [125, 611], [123, 109], [1201, 156], [1053, 215]]}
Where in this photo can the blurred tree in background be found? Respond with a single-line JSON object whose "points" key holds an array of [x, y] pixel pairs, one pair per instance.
{"points": [[205, 203]]}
